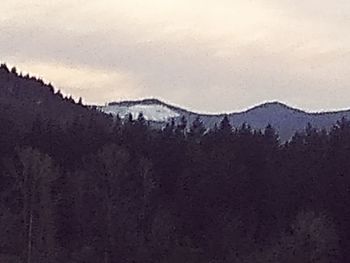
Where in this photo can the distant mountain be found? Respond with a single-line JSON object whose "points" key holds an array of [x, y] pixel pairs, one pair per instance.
{"points": [[152, 109], [286, 120]]}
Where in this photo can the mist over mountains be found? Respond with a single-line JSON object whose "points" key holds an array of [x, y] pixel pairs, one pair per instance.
{"points": [[285, 119]]}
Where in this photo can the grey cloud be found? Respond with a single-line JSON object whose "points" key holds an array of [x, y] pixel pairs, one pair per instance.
{"points": [[187, 71]]}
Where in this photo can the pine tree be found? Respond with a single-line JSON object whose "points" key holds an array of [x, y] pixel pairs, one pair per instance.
{"points": [[182, 126], [14, 70], [271, 135], [225, 126], [169, 128], [197, 128], [141, 118]]}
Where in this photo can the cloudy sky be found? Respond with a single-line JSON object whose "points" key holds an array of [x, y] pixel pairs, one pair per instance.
{"points": [[206, 55]]}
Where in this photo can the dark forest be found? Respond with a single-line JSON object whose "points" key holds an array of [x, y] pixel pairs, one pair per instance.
{"points": [[80, 186]]}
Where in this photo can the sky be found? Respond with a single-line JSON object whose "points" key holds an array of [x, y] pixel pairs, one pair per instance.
{"points": [[205, 55]]}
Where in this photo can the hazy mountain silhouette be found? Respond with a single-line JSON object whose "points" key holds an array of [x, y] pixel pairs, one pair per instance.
{"points": [[285, 119]]}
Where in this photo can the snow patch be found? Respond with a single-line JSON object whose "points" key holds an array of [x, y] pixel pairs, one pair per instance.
{"points": [[158, 113]]}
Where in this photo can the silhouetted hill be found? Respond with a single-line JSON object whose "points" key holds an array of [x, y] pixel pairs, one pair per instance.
{"points": [[33, 112]]}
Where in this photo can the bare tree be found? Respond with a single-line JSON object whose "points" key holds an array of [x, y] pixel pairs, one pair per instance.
{"points": [[35, 178]]}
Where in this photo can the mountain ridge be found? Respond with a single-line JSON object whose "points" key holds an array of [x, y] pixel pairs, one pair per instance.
{"points": [[285, 119], [272, 103]]}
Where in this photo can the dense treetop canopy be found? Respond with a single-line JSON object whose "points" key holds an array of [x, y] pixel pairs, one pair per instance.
{"points": [[77, 185]]}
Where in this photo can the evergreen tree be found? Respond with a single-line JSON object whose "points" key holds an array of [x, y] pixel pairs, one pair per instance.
{"points": [[225, 125], [182, 126], [197, 129], [271, 136]]}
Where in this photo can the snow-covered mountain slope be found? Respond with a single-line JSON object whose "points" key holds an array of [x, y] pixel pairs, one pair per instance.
{"points": [[152, 110], [284, 119]]}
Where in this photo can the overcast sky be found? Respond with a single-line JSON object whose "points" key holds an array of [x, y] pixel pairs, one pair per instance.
{"points": [[205, 55]]}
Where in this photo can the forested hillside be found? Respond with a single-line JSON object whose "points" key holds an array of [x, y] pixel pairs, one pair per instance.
{"points": [[79, 186]]}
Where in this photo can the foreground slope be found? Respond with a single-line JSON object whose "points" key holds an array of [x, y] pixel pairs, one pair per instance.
{"points": [[76, 187]]}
